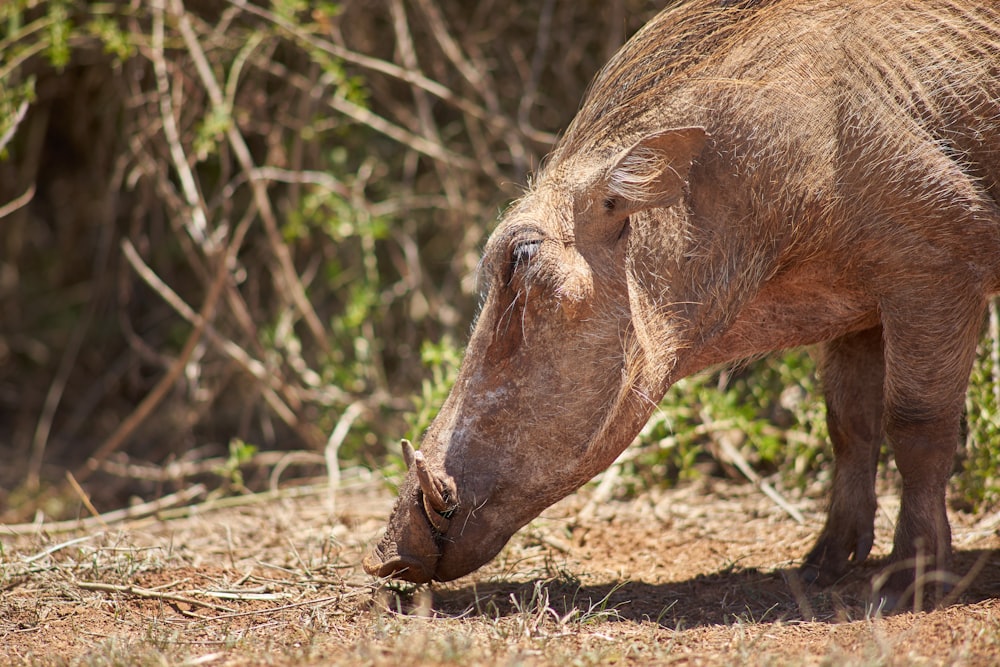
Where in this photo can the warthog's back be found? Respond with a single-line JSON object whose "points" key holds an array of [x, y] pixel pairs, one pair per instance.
{"points": [[913, 59], [863, 80]]}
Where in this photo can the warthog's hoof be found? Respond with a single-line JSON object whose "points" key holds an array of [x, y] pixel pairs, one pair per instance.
{"points": [[901, 587], [831, 558]]}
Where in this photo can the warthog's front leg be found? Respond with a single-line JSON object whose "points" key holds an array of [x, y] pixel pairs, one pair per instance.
{"points": [[852, 371]]}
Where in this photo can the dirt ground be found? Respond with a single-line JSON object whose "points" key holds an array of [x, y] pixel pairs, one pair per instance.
{"points": [[700, 575]]}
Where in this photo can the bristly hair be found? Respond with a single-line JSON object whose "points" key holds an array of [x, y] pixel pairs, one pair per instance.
{"points": [[732, 50], [634, 178]]}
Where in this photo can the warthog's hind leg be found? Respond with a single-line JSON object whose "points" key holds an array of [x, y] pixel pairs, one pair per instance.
{"points": [[931, 327]]}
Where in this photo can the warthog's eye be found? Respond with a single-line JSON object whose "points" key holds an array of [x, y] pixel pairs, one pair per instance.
{"points": [[521, 254]]}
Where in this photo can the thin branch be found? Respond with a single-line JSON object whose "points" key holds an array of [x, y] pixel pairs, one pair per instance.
{"points": [[435, 88], [59, 547], [261, 198], [149, 594], [180, 470], [340, 431], [397, 133], [23, 56], [290, 458], [153, 398], [293, 605], [108, 518], [53, 396], [18, 203], [452, 50], [318, 178], [542, 41], [255, 368], [9, 134], [198, 227], [165, 509], [404, 41], [741, 463], [84, 498]]}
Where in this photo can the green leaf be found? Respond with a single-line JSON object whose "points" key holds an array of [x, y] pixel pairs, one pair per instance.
{"points": [[58, 50]]}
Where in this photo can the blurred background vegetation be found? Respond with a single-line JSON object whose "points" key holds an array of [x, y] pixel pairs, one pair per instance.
{"points": [[239, 235]]}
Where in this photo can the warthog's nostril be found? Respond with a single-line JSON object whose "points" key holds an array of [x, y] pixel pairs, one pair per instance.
{"points": [[385, 560], [407, 569]]}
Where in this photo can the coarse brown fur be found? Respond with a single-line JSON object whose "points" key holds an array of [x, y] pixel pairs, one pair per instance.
{"points": [[741, 178]]}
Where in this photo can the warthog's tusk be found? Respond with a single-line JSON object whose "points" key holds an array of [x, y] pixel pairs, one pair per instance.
{"points": [[437, 507], [432, 487], [409, 456]]}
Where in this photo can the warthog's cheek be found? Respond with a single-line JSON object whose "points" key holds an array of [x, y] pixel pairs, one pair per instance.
{"points": [[469, 551]]}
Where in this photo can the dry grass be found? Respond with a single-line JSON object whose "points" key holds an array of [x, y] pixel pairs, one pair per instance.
{"points": [[698, 575]]}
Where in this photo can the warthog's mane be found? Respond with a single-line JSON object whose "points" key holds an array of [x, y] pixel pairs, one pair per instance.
{"points": [[913, 63]]}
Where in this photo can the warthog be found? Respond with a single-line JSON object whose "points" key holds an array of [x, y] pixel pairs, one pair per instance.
{"points": [[741, 178]]}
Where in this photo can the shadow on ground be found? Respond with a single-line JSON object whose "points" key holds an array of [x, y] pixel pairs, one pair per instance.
{"points": [[722, 598]]}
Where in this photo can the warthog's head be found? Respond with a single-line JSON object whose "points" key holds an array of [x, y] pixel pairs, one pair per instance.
{"points": [[567, 359]]}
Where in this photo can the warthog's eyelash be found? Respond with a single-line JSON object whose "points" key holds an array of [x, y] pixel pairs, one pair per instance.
{"points": [[521, 255]]}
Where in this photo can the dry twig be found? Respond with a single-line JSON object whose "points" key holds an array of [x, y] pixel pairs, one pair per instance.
{"points": [[18, 202], [103, 520], [149, 594], [84, 498], [737, 459], [153, 398], [22, 110], [340, 431]]}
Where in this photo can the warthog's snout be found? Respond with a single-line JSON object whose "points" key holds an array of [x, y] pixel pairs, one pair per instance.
{"points": [[427, 502], [409, 549], [432, 534], [380, 564]]}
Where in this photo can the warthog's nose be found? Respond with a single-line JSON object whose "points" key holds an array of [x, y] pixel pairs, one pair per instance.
{"points": [[398, 567], [409, 549]]}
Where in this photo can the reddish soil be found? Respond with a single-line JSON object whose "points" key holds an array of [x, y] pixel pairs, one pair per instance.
{"points": [[704, 574]]}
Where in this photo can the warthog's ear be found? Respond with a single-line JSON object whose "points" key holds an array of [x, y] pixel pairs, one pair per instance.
{"points": [[652, 172]]}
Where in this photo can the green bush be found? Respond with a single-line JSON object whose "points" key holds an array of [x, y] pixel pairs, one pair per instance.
{"points": [[230, 221], [769, 410], [977, 483]]}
